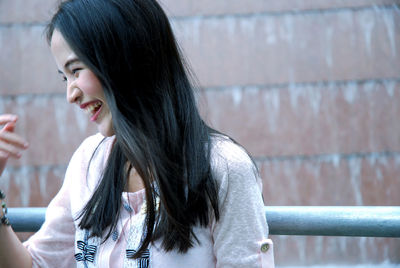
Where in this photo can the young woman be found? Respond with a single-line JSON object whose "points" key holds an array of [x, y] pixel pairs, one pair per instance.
{"points": [[156, 187]]}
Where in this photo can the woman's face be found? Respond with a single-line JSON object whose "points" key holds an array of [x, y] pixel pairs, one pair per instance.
{"points": [[83, 87]]}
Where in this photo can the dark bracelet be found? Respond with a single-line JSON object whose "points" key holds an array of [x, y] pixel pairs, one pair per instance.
{"points": [[2, 195], [4, 220]]}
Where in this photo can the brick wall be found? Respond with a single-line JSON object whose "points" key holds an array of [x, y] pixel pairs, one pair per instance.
{"points": [[310, 88]]}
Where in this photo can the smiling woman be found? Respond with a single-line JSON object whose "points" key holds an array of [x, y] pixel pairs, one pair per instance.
{"points": [[83, 87], [157, 187]]}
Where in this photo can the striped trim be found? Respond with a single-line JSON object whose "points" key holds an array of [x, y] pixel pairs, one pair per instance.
{"points": [[88, 251], [143, 260]]}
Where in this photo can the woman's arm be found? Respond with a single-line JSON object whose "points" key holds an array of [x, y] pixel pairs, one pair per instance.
{"points": [[12, 252], [54, 244], [241, 234]]}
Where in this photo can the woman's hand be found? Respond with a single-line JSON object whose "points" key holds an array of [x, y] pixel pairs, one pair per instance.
{"points": [[11, 144]]}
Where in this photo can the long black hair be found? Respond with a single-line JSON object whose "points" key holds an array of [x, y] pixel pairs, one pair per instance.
{"points": [[129, 45]]}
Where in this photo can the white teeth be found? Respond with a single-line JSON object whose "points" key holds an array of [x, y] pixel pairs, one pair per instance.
{"points": [[92, 107]]}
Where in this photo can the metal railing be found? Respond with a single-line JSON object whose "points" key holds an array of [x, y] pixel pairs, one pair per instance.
{"points": [[378, 221]]}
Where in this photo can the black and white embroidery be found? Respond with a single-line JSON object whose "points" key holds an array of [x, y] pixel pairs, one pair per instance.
{"points": [[115, 235], [88, 251], [134, 240], [128, 207], [143, 260]]}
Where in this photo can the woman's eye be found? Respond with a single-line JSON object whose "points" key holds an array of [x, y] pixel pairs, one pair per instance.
{"points": [[76, 70]]}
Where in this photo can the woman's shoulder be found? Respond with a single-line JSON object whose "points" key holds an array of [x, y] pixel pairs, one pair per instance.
{"points": [[89, 159], [91, 141], [225, 151], [91, 145], [235, 172], [231, 164]]}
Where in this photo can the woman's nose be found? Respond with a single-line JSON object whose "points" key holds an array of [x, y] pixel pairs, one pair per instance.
{"points": [[73, 93]]}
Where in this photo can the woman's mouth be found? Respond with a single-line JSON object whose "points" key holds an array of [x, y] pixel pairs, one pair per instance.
{"points": [[94, 109]]}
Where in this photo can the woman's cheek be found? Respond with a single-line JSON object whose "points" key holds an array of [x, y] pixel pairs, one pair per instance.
{"points": [[90, 84]]}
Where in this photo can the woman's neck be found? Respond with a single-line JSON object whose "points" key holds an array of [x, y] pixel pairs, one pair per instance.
{"points": [[135, 182]]}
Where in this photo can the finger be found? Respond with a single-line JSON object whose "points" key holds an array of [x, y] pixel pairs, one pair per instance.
{"points": [[5, 118], [10, 126], [4, 155], [13, 139], [10, 149]]}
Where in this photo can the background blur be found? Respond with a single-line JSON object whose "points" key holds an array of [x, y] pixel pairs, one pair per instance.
{"points": [[310, 87]]}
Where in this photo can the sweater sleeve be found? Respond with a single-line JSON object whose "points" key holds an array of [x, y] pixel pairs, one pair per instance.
{"points": [[241, 234], [53, 244]]}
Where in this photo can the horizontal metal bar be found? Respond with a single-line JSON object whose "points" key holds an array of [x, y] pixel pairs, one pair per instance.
{"points": [[27, 219], [381, 221], [367, 221]]}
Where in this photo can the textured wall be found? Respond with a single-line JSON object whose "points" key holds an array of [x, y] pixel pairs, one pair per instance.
{"points": [[310, 87]]}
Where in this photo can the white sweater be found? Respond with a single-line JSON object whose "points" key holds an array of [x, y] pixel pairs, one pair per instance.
{"points": [[238, 239]]}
